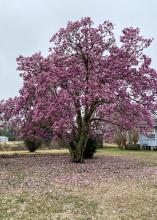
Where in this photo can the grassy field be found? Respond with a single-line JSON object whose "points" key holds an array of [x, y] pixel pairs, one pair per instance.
{"points": [[116, 184], [115, 151]]}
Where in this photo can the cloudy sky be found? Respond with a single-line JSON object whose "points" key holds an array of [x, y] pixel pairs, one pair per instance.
{"points": [[26, 27]]}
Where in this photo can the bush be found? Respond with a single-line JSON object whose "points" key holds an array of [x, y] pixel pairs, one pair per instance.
{"points": [[133, 146], [32, 145], [90, 148]]}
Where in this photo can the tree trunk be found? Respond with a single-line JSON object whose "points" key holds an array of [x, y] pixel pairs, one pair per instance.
{"points": [[77, 155], [77, 148]]}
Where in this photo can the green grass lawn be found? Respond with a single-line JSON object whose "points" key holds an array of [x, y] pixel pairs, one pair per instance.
{"points": [[115, 151], [37, 152], [116, 184]]}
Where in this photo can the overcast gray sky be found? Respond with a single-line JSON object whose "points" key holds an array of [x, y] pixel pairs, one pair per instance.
{"points": [[26, 27]]}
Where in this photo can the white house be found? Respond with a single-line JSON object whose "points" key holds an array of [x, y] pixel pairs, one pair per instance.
{"points": [[149, 141], [4, 139]]}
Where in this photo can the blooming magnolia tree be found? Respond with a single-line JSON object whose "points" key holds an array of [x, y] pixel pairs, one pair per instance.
{"points": [[17, 114], [88, 84]]}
